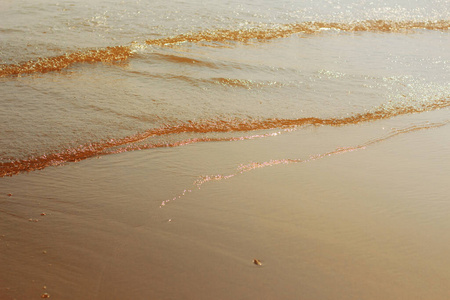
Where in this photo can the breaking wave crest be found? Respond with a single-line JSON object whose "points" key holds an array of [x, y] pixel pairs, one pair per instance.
{"points": [[120, 53]]}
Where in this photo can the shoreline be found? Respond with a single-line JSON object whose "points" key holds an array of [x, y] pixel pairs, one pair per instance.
{"points": [[368, 224]]}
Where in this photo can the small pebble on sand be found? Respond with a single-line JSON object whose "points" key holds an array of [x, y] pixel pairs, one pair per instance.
{"points": [[257, 262]]}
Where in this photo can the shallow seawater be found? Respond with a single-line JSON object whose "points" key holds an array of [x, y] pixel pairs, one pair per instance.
{"points": [[192, 136]]}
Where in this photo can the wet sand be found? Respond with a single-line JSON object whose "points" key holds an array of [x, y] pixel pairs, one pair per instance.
{"points": [[370, 222]]}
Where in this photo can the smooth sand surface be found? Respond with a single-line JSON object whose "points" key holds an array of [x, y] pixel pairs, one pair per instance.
{"points": [[371, 223]]}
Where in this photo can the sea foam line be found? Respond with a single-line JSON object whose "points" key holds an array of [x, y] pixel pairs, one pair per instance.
{"points": [[243, 168]]}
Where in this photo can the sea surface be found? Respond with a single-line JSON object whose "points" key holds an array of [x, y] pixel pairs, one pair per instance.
{"points": [[80, 79], [157, 149]]}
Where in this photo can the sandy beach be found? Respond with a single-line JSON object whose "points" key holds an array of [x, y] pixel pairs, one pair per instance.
{"points": [[369, 222]]}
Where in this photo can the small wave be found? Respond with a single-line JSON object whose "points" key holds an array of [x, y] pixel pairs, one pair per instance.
{"points": [[247, 84], [57, 63], [120, 53], [208, 126], [184, 60], [286, 30]]}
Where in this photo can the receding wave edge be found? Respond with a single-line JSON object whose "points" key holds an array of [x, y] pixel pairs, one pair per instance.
{"points": [[130, 143]]}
